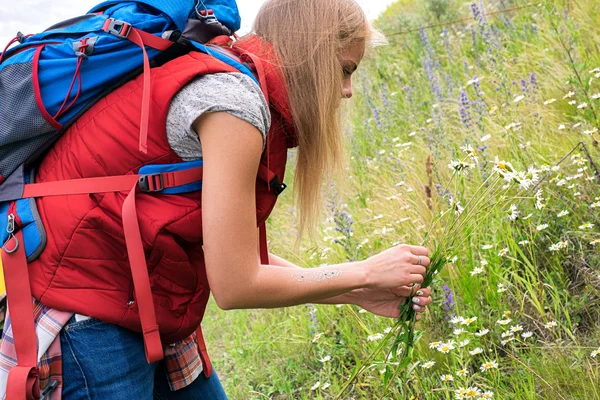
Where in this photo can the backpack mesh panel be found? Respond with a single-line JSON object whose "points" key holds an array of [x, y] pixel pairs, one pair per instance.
{"points": [[23, 129]]}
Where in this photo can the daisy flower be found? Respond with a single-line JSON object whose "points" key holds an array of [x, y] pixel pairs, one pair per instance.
{"points": [[462, 372], [428, 364], [446, 347], [377, 336], [446, 378], [475, 351], [482, 332], [550, 324], [541, 227], [488, 365]]}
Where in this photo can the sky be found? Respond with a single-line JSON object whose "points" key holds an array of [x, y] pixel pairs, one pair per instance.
{"points": [[32, 16]]}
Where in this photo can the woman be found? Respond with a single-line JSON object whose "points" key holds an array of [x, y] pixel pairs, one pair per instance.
{"points": [[307, 52]]}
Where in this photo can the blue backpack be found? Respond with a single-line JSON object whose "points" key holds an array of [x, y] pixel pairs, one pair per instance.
{"points": [[51, 78]]}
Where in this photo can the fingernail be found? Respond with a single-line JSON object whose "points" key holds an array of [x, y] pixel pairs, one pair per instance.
{"points": [[416, 300], [420, 293], [416, 308]]}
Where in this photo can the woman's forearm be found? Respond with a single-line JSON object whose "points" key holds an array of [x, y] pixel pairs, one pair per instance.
{"points": [[280, 286], [344, 298]]}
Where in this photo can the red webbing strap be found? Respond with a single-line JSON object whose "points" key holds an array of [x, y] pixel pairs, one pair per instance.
{"points": [[141, 281], [260, 71], [264, 250], [144, 39], [107, 184], [265, 174], [22, 379], [155, 42], [206, 364], [135, 37], [80, 186]]}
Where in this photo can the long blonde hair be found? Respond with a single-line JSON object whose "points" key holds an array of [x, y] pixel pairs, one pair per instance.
{"points": [[308, 36]]}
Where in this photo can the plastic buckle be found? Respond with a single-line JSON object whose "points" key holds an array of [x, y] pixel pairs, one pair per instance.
{"points": [[148, 183], [118, 28], [277, 187], [45, 395], [22, 37]]}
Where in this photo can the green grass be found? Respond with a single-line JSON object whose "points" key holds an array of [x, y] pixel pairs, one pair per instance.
{"points": [[397, 123]]}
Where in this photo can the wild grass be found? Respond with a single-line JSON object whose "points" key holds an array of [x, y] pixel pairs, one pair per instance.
{"points": [[488, 83]]}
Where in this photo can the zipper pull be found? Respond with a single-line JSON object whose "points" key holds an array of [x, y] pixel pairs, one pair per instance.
{"points": [[10, 228], [11, 224]]}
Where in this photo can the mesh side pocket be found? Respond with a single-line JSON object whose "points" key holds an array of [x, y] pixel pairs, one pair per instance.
{"points": [[23, 128]]}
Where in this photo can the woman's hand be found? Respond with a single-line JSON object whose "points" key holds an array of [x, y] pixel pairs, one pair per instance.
{"points": [[396, 267], [385, 302]]}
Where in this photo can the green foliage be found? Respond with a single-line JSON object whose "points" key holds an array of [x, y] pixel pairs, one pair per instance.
{"points": [[498, 85]]}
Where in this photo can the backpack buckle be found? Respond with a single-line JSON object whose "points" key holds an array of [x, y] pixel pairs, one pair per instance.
{"points": [[151, 183], [277, 187], [117, 27]]}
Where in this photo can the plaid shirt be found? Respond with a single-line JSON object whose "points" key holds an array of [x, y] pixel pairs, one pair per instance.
{"points": [[182, 359]]}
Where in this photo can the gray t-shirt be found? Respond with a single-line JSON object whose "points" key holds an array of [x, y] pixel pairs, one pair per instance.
{"points": [[234, 93]]}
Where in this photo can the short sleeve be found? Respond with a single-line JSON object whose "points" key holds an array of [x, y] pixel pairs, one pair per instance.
{"points": [[233, 93]]}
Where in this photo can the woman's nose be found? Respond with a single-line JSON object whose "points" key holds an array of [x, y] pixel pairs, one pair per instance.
{"points": [[347, 91]]}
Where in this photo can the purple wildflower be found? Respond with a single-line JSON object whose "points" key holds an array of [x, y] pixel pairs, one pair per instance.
{"points": [[464, 109]]}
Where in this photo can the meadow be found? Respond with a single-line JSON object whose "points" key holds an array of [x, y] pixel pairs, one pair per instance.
{"points": [[485, 88]]}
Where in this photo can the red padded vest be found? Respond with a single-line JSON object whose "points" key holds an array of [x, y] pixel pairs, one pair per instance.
{"points": [[87, 265]]}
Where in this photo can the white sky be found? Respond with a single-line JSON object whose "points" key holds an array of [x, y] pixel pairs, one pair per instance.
{"points": [[32, 16]]}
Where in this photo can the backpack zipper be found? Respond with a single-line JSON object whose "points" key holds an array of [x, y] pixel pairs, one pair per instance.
{"points": [[13, 217]]}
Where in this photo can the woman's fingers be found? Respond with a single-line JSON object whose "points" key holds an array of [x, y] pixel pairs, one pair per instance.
{"points": [[416, 278], [418, 269], [420, 303], [425, 261], [419, 250]]}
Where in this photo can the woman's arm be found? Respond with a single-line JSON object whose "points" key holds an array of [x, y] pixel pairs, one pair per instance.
{"points": [[232, 149], [345, 298], [380, 302]]}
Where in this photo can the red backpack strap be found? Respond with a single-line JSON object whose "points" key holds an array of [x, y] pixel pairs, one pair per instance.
{"points": [[23, 379], [142, 39], [141, 280], [206, 364]]}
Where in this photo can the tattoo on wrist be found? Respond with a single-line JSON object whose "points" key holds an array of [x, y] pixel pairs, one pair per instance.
{"points": [[316, 276]]}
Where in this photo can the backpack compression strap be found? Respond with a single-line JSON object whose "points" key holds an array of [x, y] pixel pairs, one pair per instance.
{"points": [[142, 39]]}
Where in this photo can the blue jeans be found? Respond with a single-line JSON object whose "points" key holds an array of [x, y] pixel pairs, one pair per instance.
{"points": [[106, 362]]}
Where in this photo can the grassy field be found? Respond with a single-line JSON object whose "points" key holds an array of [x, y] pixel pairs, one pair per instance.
{"points": [[435, 114]]}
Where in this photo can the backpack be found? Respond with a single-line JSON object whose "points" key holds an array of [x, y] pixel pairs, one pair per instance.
{"points": [[50, 79]]}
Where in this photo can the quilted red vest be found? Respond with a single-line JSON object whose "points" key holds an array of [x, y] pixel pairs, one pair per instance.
{"points": [[85, 267]]}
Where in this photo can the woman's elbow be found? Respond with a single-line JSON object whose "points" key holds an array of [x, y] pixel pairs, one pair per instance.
{"points": [[226, 299]]}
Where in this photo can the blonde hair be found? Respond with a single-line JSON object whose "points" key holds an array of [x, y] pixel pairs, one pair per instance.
{"points": [[308, 36]]}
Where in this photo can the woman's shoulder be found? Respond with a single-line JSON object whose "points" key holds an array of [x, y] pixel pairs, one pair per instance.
{"points": [[233, 93]]}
